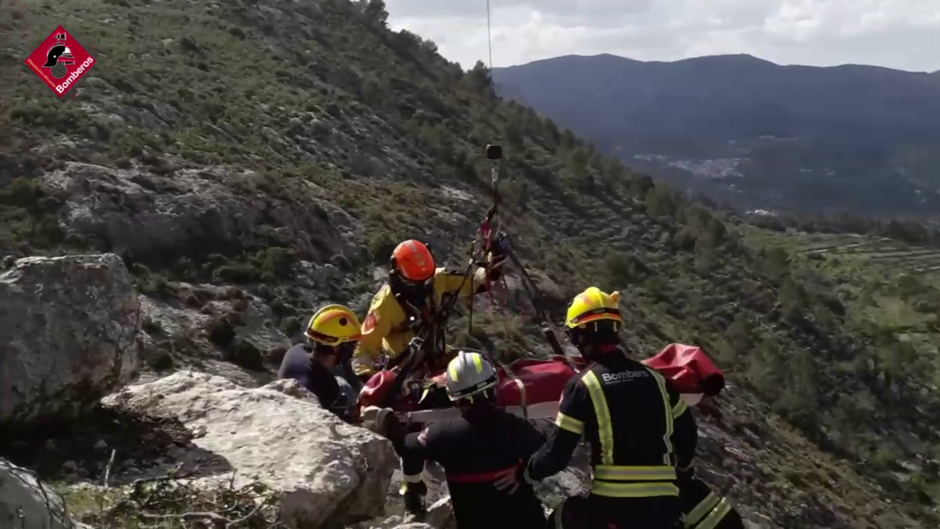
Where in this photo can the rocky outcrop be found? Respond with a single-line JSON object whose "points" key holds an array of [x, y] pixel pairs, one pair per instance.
{"points": [[228, 337], [68, 333], [212, 210], [25, 502], [324, 469]]}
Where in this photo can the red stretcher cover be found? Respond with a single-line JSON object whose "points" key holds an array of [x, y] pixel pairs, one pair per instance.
{"points": [[535, 381], [689, 369], [539, 381]]}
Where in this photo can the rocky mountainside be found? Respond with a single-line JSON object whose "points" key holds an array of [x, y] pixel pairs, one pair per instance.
{"points": [[248, 161], [761, 135]]}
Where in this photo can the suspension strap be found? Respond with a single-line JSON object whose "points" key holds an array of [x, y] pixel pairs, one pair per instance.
{"points": [[485, 237]]}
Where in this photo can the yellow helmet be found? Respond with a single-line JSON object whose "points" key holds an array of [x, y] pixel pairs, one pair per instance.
{"points": [[594, 305], [333, 325]]}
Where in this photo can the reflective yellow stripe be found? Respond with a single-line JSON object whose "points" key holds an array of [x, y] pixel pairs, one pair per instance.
{"points": [[453, 372], [621, 473], [605, 430], [714, 518], [679, 408], [478, 360], [633, 490], [569, 423], [667, 437], [700, 510]]}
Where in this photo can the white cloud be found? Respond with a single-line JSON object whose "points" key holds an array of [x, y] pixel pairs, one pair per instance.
{"points": [[901, 34]]}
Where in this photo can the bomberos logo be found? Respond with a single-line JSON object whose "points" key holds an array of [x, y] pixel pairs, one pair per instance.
{"points": [[624, 375], [60, 61]]}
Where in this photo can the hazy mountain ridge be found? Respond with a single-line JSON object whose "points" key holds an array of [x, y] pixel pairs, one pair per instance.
{"points": [[868, 133]]}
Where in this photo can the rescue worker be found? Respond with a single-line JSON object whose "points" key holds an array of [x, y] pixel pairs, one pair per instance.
{"points": [[701, 507], [410, 300], [476, 449], [637, 425], [332, 334]]}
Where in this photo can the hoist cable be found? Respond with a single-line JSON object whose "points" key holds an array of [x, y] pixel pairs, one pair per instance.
{"points": [[489, 36]]}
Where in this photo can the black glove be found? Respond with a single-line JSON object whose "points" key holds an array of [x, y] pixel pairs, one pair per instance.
{"points": [[501, 246], [395, 429]]}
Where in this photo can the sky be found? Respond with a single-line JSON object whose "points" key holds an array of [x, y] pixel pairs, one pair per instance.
{"points": [[902, 34]]}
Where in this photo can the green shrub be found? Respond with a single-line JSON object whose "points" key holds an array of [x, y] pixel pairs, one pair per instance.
{"points": [[247, 355], [237, 273], [220, 331]]}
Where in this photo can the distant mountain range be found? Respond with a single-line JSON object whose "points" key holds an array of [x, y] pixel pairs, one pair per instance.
{"points": [[854, 138]]}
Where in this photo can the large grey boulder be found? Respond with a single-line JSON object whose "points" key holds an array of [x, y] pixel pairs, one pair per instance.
{"points": [[26, 502], [323, 469], [67, 333]]}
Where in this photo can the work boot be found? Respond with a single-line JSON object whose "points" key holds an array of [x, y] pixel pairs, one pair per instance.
{"points": [[414, 494]]}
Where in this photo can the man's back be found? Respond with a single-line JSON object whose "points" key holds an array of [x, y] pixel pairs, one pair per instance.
{"points": [[299, 365], [628, 413], [639, 410], [477, 449]]}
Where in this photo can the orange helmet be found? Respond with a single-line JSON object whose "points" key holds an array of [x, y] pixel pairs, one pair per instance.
{"points": [[412, 260]]}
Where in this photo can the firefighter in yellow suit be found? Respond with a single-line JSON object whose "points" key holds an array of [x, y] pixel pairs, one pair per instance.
{"points": [[409, 302]]}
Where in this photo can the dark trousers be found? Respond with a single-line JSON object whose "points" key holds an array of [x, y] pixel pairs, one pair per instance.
{"points": [[705, 509], [599, 512], [435, 397]]}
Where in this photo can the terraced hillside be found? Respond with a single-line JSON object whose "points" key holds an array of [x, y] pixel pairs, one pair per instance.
{"points": [[251, 160], [879, 255], [884, 254], [886, 284]]}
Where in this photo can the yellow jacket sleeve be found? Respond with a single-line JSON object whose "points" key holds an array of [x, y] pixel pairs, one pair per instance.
{"points": [[451, 281], [375, 328]]}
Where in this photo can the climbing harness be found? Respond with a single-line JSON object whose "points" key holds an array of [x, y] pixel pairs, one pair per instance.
{"points": [[485, 235], [494, 154]]}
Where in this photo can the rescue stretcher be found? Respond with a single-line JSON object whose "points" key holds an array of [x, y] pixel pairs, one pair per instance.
{"points": [[532, 388]]}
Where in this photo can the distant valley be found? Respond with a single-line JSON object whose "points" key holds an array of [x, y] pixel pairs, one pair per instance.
{"points": [[852, 138]]}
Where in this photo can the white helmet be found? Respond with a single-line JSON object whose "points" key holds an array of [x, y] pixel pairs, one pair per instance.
{"points": [[469, 374]]}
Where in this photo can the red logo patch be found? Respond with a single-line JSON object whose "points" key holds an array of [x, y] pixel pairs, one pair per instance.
{"points": [[371, 321], [60, 61]]}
